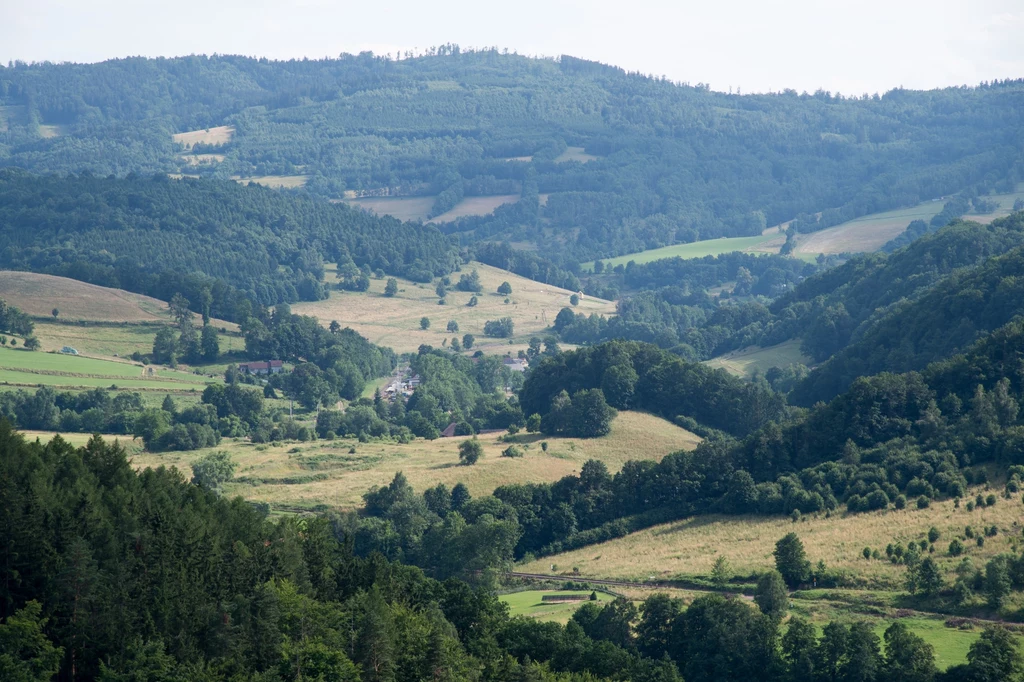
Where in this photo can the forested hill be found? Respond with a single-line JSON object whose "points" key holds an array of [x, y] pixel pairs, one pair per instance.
{"points": [[206, 239], [660, 162]]}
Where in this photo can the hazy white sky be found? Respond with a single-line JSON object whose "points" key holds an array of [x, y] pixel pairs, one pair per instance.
{"points": [[839, 45]]}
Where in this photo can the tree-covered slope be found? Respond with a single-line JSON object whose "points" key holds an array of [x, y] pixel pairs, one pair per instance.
{"points": [[207, 239], [664, 162], [950, 316]]}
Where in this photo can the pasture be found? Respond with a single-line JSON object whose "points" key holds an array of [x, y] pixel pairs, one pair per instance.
{"points": [[217, 135], [418, 208], [274, 181], [707, 247], [395, 321], [867, 233], [745, 362], [38, 295], [118, 340], [48, 132], [202, 159], [530, 604], [27, 368], [403, 208], [337, 473], [1005, 206], [688, 548], [475, 206]]}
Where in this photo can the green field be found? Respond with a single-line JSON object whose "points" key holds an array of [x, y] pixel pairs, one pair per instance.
{"points": [[529, 604], [746, 362], [26, 368], [708, 247]]}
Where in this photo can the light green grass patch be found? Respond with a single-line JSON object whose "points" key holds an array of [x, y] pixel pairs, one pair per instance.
{"points": [[745, 362], [529, 604], [707, 247]]}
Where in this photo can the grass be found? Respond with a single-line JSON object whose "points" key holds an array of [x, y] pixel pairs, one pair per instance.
{"points": [[867, 233], [217, 135], [21, 367], [306, 475], [403, 208], [476, 206], [688, 548], [418, 208], [871, 232], [116, 340], [530, 604], [275, 181], [395, 322], [745, 362], [50, 131], [708, 247], [38, 295], [202, 159], [575, 154]]}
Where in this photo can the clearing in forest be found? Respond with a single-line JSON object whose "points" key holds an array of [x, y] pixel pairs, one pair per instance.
{"points": [[746, 361], [707, 247], [274, 181], [476, 206], [217, 135], [395, 321], [328, 473], [575, 154]]}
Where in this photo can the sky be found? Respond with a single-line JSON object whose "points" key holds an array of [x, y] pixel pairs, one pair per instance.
{"points": [[865, 46]]}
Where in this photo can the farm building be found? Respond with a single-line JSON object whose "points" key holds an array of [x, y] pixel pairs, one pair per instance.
{"points": [[516, 364], [269, 367]]}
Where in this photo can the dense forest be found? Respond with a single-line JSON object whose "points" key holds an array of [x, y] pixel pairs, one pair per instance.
{"points": [[664, 162], [215, 242]]}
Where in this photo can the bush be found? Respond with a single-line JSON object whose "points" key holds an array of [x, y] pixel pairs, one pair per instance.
{"points": [[512, 451], [933, 534], [470, 451], [923, 502], [901, 501], [990, 500]]}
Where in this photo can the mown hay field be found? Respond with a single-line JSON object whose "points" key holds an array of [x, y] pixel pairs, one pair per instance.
{"points": [[395, 321], [306, 475]]}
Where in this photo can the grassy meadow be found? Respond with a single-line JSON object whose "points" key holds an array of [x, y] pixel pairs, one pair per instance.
{"points": [[530, 604], [745, 362], [395, 321], [418, 208], [768, 243], [216, 135], [274, 181], [306, 475], [688, 548], [575, 154]]}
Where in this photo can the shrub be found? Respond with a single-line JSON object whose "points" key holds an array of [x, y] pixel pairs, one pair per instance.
{"points": [[923, 502], [867, 552], [933, 534], [901, 501], [990, 500], [980, 540], [970, 505], [512, 451], [470, 451], [969, 532]]}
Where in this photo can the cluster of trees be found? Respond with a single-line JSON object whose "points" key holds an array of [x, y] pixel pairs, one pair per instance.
{"points": [[187, 344], [331, 363], [237, 243], [633, 375], [377, 124], [501, 328], [14, 321], [453, 389], [224, 411]]}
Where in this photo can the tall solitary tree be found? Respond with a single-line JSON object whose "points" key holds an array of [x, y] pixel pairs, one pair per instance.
{"points": [[791, 560]]}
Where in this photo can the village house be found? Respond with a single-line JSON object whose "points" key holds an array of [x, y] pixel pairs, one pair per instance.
{"points": [[261, 367]]}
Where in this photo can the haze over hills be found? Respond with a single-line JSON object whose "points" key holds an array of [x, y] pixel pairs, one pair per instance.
{"points": [[623, 162]]}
